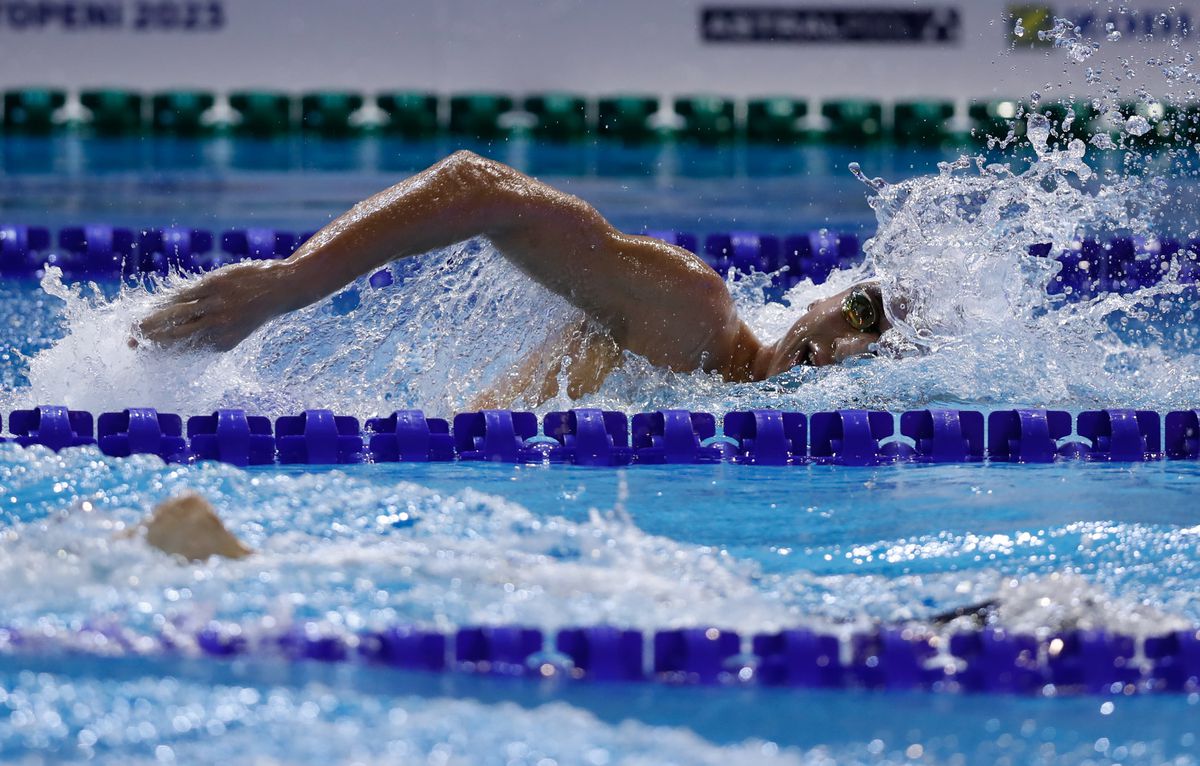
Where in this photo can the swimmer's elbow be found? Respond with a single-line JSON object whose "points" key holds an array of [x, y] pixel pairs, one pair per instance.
{"points": [[463, 160], [493, 192], [476, 173]]}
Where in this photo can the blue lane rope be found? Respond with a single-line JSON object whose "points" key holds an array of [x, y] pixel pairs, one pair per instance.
{"points": [[592, 437], [889, 658], [102, 252]]}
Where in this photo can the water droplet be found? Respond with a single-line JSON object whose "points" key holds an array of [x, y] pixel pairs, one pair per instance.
{"points": [[1137, 125], [1038, 130], [878, 184]]}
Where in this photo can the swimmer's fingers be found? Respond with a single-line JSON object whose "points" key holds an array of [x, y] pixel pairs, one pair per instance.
{"points": [[203, 330], [199, 291], [172, 324], [174, 315], [217, 312], [179, 334]]}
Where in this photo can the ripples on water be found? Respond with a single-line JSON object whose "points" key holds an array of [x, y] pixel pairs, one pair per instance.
{"points": [[977, 325], [554, 547], [374, 547], [57, 718]]}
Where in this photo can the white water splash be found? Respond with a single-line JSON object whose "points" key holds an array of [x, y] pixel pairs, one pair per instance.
{"points": [[147, 720], [365, 551], [951, 251], [953, 245], [462, 317]]}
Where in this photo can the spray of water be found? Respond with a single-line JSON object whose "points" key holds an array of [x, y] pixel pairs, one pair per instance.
{"points": [[460, 318], [974, 324], [359, 551]]}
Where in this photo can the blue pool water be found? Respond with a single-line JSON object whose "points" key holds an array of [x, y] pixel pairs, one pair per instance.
{"points": [[1101, 546], [1078, 545], [298, 183]]}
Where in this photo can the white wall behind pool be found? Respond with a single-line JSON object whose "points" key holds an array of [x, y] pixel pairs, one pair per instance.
{"points": [[815, 48]]}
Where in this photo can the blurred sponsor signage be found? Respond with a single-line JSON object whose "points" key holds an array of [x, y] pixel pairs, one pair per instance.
{"points": [[832, 24], [1099, 24], [112, 15]]}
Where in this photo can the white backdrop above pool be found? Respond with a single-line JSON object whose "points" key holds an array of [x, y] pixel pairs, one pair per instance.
{"points": [[954, 49]]}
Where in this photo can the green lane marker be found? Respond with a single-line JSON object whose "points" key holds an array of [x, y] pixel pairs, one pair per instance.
{"points": [[113, 112], [925, 123], [262, 114], [559, 117], [477, 115], [328, 113], [181, 112], [775, 120], [626, 118], [30, 111], [853, 121], [706, 119], [411, 114]]}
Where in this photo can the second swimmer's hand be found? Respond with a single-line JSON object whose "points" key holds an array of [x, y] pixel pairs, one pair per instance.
{"points": [[219, 310]]}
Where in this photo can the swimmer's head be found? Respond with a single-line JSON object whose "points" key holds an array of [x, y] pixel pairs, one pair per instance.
{"points": [[833, 330]]}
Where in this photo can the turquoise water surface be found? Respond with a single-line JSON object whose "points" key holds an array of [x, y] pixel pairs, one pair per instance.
{"points": [[445, 545]]}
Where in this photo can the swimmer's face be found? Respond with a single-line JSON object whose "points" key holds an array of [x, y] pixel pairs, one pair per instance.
{"points": [[833, 329]]}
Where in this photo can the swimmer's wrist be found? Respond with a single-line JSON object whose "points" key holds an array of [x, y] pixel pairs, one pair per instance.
{"points": [[301, 283], [317, 270], [288, 287]]}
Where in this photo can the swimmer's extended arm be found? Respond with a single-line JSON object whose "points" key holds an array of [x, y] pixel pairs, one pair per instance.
{"points": [[654, 299], [440, 206]]}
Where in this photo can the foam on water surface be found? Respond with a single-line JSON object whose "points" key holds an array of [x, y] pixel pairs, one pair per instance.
{"points": [[66, 716], [552, 548], [974, 323], [169, 721], [1104, 547]]}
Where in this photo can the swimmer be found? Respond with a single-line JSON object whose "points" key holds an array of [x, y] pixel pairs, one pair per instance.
{"points": [[187, 526], [638, 293]]}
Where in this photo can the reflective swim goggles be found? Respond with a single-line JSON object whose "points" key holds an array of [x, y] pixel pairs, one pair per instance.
{"points": [[860, 311]]}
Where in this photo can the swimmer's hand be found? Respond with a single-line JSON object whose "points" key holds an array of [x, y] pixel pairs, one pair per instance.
{"points": [[220, 309]]}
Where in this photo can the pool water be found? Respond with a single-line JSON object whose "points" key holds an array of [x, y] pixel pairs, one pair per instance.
{"points": [[444, 545], [299, 183], [648, 547]]}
